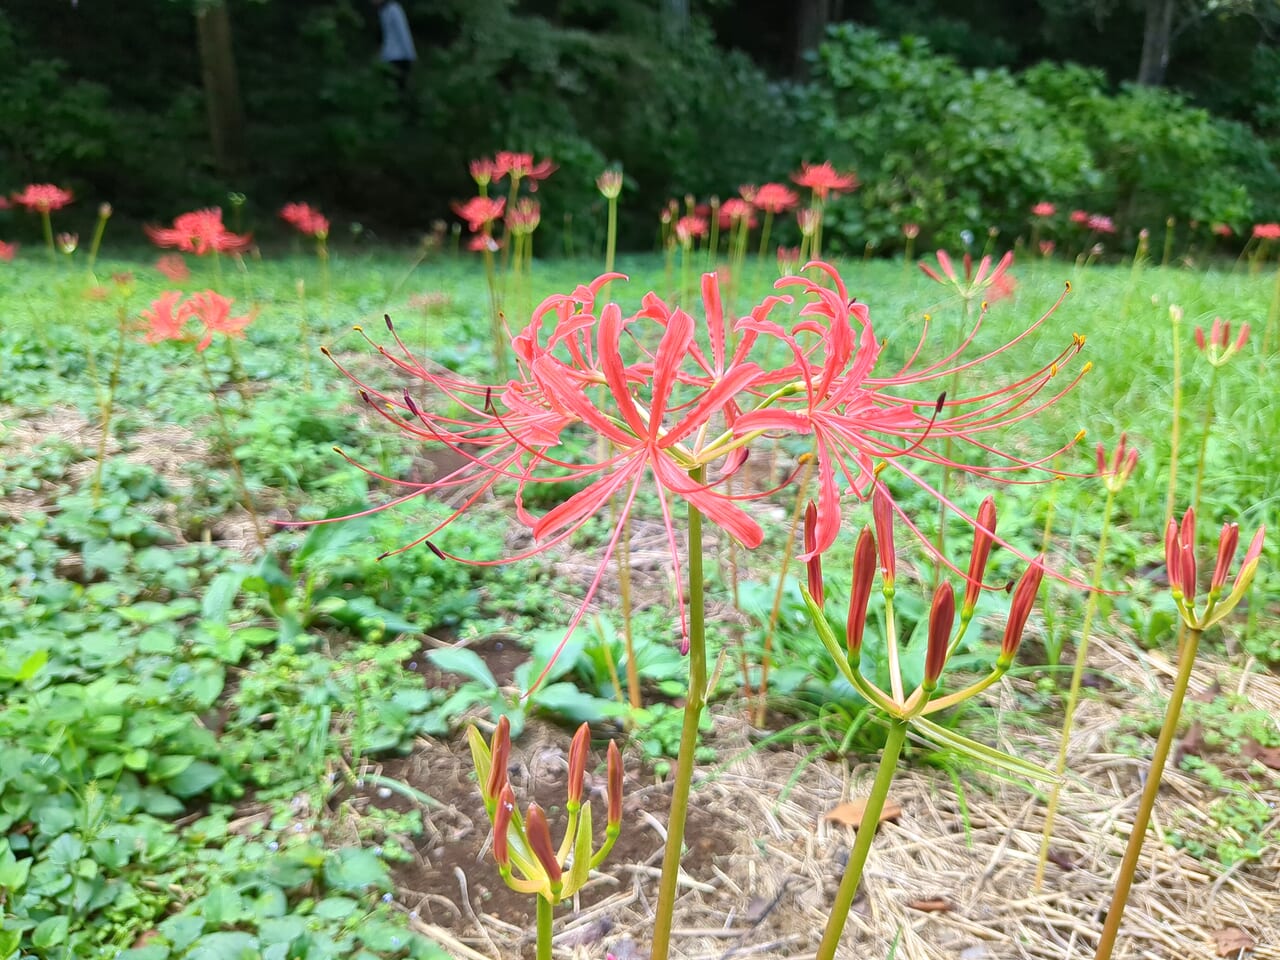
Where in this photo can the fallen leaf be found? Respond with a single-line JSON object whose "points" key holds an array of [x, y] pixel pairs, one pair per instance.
{"points": [[1267, 756], [932, 905], [1232, 940], [1062, 859], [850, 812], [1192, 742]]}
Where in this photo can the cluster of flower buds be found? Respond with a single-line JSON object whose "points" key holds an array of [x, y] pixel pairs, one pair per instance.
{"points": [[609, 183], [1218, 347], [1116, 472], [527, 858], [994, 283], [879, 546], [1180, 558]]}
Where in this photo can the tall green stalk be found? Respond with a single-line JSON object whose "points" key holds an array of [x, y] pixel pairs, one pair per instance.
{"points": [[688, 737], [1175, 429], [545, 910], [1205, 426], [1073, 694], [862, 843], [47, 224], [1142, 819]]}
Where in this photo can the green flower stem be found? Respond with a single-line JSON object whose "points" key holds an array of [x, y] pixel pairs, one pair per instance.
{"points": [[688, 737], [1175, 429], [544, 927], [1073, 694], [1141, 819], [1205, 426], [611, 238], [947, 458], [98, 231], [48, 235], [862, 844], [764, 235], [495, 317]]}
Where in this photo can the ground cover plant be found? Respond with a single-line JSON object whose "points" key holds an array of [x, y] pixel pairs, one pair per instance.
{"points": [[236, 707]]}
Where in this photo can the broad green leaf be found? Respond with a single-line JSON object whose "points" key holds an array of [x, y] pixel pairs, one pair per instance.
{"points": [[197, 778], [354, 869], [51, 932], [464, 662]]}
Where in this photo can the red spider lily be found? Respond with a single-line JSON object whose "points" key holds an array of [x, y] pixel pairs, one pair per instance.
{"points": [[1218, 348], [911, 230], [480, 212], [1047, 247], [807, 219], [864, 573], [609, 183], [482, 171], [1043, 210], [306, 219], [482, 242], [1115, 474], [43, 198], [984, 532], [214, 311], [1222, 230], [165, 320], [814, 563], [774, 198], [67, 242], [1080, 217], [199, 232], [7, 251], [823, 178], [734, 211], [996, 284], [687, 228], [1180, 560], [788, 260], [942, 617], [520, 166], [857, 419], [1100, 224], [1024, 598], [1266, 231], [4, 203], [524, 217], [172, 266]]}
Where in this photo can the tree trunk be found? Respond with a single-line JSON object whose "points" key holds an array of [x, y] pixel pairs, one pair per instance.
{"points": [[812, 17], [1157, 35], [675, 17], [221, 89]]}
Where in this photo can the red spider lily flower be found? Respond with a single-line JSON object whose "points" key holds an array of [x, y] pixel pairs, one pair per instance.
{"points": [[1047, 247], [7, 251], [1116, 473], [1222, 230], [482, 242], [524, 217], [734, 211], [807, 219], [857, 419], [4, 203], [911, 230], [165, 321], [942, 617], [67, 242], [1043, 209], [1218, 348], [43, 198], [788, 260], [520, 166], [773, 198], [814, 563], [172, 266], [1180, 560], [688, 228], [480, 212], [199, 232], [482, 171], [747, 191], [1100, 224], [306, 219], [984, 532], [609, 183], [996, 284], [1024, 598], [214, 311], [538, 832], [864, 572], [1079, 217], [1266, 231], [823, 178]]}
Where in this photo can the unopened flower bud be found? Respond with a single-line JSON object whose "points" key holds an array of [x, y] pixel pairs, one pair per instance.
{"points": [[882, 515], [538, 831], [104, 211], [501, 823], [1024, 598], [942, 616], [577, 766], [67, 242], [864, 571], [814, 563], [1227, 544], [615, 785], [983, 535], [500, 755]]}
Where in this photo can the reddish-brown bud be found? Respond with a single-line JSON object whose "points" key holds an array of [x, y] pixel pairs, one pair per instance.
{"points": [[983, 535], [578, 765], [1024, 598], [942, 617], [882, 515], [499, 757], [1187, 573], [615, 785], [814, 563], [1172, 554], [1227, 544], [538, 832], [864, 572], [501, 824]]}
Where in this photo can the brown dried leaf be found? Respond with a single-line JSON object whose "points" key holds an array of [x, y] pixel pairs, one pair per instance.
{"points": [[1062, 858], [1267, 756], [850, 812], [1192, 742], [932, 905], [1232, 940]]}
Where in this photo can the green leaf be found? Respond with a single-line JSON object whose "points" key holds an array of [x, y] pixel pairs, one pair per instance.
{"points": [[9, 940], [50, 933], [221, 594], [465, 662], [355, 868], [567, 701], [13, 875], [197, 778], [336, 908], [229, 945], [31, 666], [168, 767]]}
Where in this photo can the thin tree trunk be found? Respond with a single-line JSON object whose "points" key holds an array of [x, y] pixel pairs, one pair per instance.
{"points": [[675, 17], [812, 17], [1157, 36], [221, 89]]}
